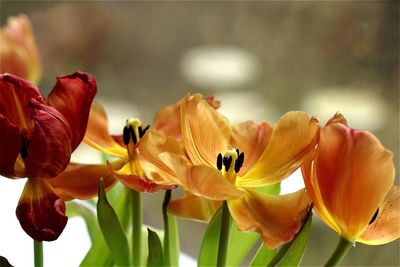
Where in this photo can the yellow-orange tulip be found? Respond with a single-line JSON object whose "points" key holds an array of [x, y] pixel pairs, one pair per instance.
{"points": [[18, 51], [350, 182], [230, 162]]}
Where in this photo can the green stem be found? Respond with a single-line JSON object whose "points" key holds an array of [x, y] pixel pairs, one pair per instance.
{"points": [[340, 251], [38, 253], [167, 250], [224, 235], [137, 218]]}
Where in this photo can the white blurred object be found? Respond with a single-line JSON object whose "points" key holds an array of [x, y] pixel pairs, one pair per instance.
{"points": [[363, 109], [293, 183], [219, 67], [239, 106], [186, 260]]}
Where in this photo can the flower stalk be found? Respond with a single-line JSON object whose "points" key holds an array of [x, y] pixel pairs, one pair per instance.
{"points": [[224, 235], [38, 253], [339, 253], [137, 218]]}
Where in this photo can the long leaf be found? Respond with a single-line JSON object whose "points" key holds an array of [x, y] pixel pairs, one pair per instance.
{"points": [[87, 213], [240, 244], [262, 256], [112, 230], [155, 257], [209, 246], [171, 236]]}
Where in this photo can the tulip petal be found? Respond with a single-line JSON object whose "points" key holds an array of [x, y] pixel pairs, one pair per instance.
{"points": [[97, 134], [353, 173], [49, 149], [293, 139], [210, 183], [18, 53], [251, 139], [386, 227], [16, 93], [205, 132], [40, 211], [168, 121], [72, 96], [10, 146], [194, 208], [337, 118], [277, 218], [81, 181]]}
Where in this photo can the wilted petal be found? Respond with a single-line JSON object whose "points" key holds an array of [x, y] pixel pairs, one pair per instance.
{"points": [[40, 211], [49, 148], [168, 121], [81, 181], [10, 146], [18, 51], [251, 139], [337, 118], [277, 218], [193, 207], [353, 173], [72, 96], [205, 132], [97, 134], [293, 139], [386, 227]]}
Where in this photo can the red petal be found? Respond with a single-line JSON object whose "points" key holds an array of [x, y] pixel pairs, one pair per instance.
{"points": [[10, 146], [72, 96], [40, 211], [49, 149]]}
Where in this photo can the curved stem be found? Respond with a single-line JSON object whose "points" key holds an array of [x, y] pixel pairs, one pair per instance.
{"points": [[167, 251], [38, 253], [224, 235], [137, 218], [340, 251]]}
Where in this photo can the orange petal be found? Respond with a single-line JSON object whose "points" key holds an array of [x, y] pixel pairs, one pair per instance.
{"points": [[292, 141], [386, 227], [18, 52], [277, 218], [97, 134], [168, 121], [194, 208], [204, 131], [337, 118], [82, 180], [353, 173], [251, 139], [40, 211], [210, 183]]}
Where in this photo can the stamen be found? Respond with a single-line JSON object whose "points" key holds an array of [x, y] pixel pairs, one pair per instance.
{"points": [[126, 136], [374, 217], [228, 163], [24, 149], [143, 131], [219, 161], [133, 135], [239, 162]]}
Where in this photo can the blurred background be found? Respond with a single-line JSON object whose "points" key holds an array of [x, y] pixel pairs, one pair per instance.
{"points": [[260, 59]]}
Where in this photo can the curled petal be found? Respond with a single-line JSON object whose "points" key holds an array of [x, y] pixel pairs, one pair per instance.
{"points": [[194, 208], [40, 211], [251, 139], [293, 139], [205, 132], [352, 175], [337, 118], [10, 146], [72, 96], [210, 183], [49, 148], [168, 122], [82, 180], [386, 227], [18, 51], [277, 218], [97, 134]]}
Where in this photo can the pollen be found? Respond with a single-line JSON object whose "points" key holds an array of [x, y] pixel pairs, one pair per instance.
{"points": [[232, 158]]}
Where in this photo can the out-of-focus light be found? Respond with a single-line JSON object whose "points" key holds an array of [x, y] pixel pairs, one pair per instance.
{"points": [[293, 183], [219, 67], [363, 109], [240, 106]]}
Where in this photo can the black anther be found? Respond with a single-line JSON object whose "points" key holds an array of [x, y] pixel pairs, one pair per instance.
{"points": [[239, 162], [133, 135], [228, 163], [374, 217], [24, 149], [143, 131], [125, 135], [219, 161]]}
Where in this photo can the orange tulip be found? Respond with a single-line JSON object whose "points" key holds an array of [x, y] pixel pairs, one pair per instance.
{"points": [[231, 162], [18, 51], [350, 182]]}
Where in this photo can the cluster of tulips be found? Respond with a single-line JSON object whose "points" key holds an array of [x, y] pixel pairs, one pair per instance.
{"points": [[230, 173]]}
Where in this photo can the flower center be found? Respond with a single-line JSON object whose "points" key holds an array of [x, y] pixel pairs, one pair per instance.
{"points": [[230, 163], [132, 133]]}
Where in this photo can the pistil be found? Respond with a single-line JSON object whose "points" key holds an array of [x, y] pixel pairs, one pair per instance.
{"points": [[230, 163], [132, 133]]}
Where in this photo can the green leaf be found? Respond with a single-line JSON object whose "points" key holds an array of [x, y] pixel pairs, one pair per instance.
{"points": [[75, 208], [292, 253], [112, 230], [274, 189], [209, 246], [262, 256], [171, 236], [155, 257]]}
